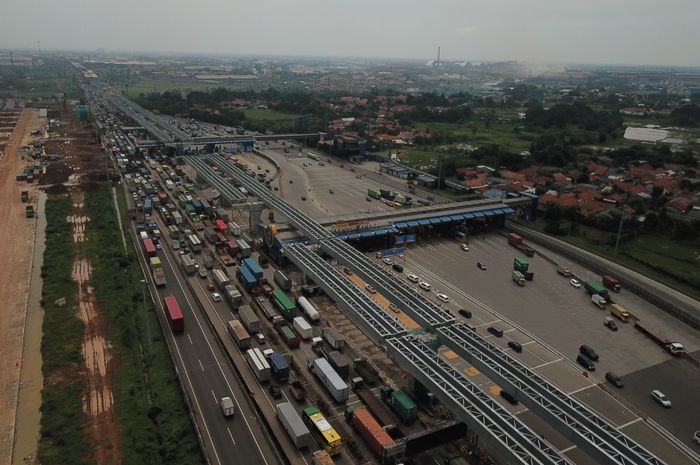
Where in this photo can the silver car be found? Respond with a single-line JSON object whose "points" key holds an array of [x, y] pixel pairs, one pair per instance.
{"points": [[661, 398]]}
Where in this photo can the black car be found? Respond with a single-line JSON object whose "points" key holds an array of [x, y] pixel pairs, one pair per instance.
{"points": [[588, 352], [516, 346], [481, 266], [465, 313], [495, 330], [614, 379], [275, 391], [397, 268], [509, 397]]}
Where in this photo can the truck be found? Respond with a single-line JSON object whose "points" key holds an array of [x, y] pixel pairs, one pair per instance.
{"points": [[599, 301], [150, 248], [253, 267], [308, 309], [232, 248], [529, 275], [369, 429], [288, 335], [302, 327], [188, 264], [227, 406], [194, 243], [174, 314], [158, 272], [340, 363], [611, 283], [232, 296], [518, 278], [282, 281], [222, 213], [294, 425], [401, 403], [174, 231], [520, 264], [267, 308], [245, 248], [211, 236], [374, 193], [321, 457], [239, 334], [333, 338], [24, 196], [296, 388], [279, 365], [620, 313], [325, 373], [234, 228], [246, 279], [220, 278], [516, 241], [674, 348], [258, 364], [564, 271], [29, 211], [249, 319], [148, 206], [177, 217], [594, 287], [284, 304]]}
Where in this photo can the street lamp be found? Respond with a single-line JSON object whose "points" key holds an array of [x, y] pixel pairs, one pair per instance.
{"points": [[145, 317]]}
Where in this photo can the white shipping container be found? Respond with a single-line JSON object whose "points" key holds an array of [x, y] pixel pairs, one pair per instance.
{"points": [[294, 425], [333, 382], [249, 318], [257, 363], [303, 328], [309, 309], [334, 339]]}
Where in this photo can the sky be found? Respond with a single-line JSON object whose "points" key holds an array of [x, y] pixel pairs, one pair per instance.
{"points": [[552, 31]]}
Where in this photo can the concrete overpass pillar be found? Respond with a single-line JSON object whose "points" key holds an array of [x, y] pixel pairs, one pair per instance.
{"points": [[254, 213]]}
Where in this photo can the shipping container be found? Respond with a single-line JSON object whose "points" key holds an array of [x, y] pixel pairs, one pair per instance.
{"points": [[334, 338], [520, 264], [340, 363], [309, 309], [223, 214], [221, 278], [404, 406], [150, 249], [302, 327], [267, 308], [279, 365], [284, 304], [258, 364], [188, 264], [232, 296], [289, 336], [249, 319], [330, 379], [232, 247], [194, 243], [234, 228], [253, 267], [174, 314], [367, 427], [294, 425], [210, 235], [239, 334], [221, 226], [322, 430], [245, 249], [245, 278], [174, 231], [282, 280]]}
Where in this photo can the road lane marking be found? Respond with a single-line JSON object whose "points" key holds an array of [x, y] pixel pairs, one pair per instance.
{"points": [[545, 364], [631, 422], [200, 364], [214, 396], [190, 339], [230, 435], [581, 389]]}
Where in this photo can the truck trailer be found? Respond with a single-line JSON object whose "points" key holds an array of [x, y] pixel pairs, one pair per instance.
{"points": [[657, 336], [294, 425], [518, 278], [330, 379]]}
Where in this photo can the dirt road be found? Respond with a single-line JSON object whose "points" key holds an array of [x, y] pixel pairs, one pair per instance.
{"points": [[17, 237]]}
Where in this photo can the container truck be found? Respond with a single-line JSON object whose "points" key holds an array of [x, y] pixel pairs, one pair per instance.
{"points": [[288, 335], [239, 334], [210, 235], [221, 226], [518, 278], [266, 307], [220, 278], [246, 279], [177, 217], [401, 403], [253, 267], [174, 314], [294, 425], [223, 214], [340, 363], [620, 313], [158, 272], [174, 231], [188, 264], [282, 281], [594, 287], [284, 304], [234, 228], [369, 429], [330, 379], [249, 319], [244, 248], [308, 309], [143, 235], [227, 406], [232, 296], [321, 457], [258, 364], [323, 431], [279, 365], [657, 336], [150, 248], [611, 283], [302, 327], [334, 338], [517, 241], [599, 301], [148, 206], [520, 264], [384, 415], [232, 247], [374, 193], [194, 243]]}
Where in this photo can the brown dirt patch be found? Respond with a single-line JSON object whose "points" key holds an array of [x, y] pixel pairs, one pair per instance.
{"points": [[56, 172]]}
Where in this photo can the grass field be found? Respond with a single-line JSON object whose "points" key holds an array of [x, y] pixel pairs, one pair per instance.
{"points": [[255, 114], [148, 86], [63, 437], [154, 422], [670, 262]]}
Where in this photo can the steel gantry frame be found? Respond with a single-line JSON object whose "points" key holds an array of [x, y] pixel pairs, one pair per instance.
{"points": [[212, 177]]}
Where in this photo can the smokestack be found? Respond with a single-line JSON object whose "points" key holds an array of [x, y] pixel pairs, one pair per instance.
{"points": [[438, 58]]}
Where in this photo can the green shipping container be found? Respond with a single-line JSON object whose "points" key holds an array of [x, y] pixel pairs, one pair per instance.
{"points": [[594, 287], [374, 192], [404, 406], [288, 333], [520, 264], [190, 208], [284, 304]]}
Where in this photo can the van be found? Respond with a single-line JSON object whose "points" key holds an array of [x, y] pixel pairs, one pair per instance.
{"points": [[227, 406], [495, 330], [585, 362], [588, 352]]}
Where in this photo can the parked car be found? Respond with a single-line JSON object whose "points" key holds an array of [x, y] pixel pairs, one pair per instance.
{"points": [[260, 337], [394, 308], [481, 266], [303, 197], [387, 261], [425, 286], [516, 346], [398, 268], [585, 362], [696, 437], [588, 352], [465, 313], [661, 398], [610, 323], [464, 247], [614, 379], [370, 289], [575, 283], [413, 278], [443, 298], [495, 330]]}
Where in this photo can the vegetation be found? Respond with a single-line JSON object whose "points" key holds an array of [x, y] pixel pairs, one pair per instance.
{"points": [[687, 115], [39, 81], [63, 437], [155, 425]]}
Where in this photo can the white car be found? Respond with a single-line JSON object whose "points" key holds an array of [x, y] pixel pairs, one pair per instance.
{"points": [[575, 283], [413, 278], [387, 261], [661, 398], [425, 286], [696, 437], [464, 247], [216, 297], [370, 289], [443, 298]]}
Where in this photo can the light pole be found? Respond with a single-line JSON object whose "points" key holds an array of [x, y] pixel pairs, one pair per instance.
{"points": [[619, 233], [145, 317]]}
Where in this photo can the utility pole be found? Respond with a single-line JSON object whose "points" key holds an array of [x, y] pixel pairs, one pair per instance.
{"points": [[145, 317], [619, 233]]}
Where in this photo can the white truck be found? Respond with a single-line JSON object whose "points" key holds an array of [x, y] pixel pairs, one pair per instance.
{"points": [[227, 406]]}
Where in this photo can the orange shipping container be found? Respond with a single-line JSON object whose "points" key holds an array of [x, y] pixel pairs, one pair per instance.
{"points": [[373, 434]]}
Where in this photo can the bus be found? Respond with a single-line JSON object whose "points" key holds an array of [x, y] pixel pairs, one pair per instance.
{"points": [[322, 430], [313, 156], [284, 303], [174, 314]]}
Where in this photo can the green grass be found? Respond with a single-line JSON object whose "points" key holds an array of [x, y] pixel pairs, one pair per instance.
{"points": [[63, 437], [255, 114], [475, 133], [148, 86], [417, 158], [670, 262], [154, 422]]}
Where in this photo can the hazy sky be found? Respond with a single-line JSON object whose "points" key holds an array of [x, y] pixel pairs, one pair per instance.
{"points": [[610, 31]]}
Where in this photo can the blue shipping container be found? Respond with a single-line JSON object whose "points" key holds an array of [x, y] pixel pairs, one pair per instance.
{"points": [[148, 205], [253, 267], [279, 365], [246, 278]]}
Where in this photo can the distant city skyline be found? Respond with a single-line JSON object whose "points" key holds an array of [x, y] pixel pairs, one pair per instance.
{"points": [[633, 32]]}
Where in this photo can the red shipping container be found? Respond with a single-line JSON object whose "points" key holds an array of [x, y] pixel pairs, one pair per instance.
{"points": [[373, 434], [221, 225], [174, 314]]}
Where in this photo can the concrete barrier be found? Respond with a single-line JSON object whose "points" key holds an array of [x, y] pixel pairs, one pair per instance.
{"points": [[669, 300]]}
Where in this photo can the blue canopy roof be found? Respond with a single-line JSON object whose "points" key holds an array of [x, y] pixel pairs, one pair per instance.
{"points": [[366, 234], [354, 236], [468, 215], [478, 214], [412, 224], [507, 210], [434, 220], [457, 217], [489, 213], [401, 225], [424, 222]]}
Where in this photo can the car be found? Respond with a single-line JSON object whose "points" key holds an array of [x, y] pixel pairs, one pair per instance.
{"points": [[443, 298], [303, 197], [495, 330], [394, 308], [465, 313], [370, 289], [585, 362], [387, 261], [661, 398], [464, 247], [275, 391], [398, 268], [413, 278], [425, 286], [216, 297], [614, 379], [588, 352], [379, 255], [696, 437], [210, 286], [291, 181], [481, 266], [368, 198], [610, 323], [509, 397], [260, 337], [516, 346], [347, 271], [575, 283]]}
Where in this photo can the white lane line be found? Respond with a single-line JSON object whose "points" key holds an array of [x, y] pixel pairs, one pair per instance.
{"points": [[231, 436], [545, 364], [581, 389], [631, 422], [190, 339], [214, 396], [200, 364], [564, 451]]}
